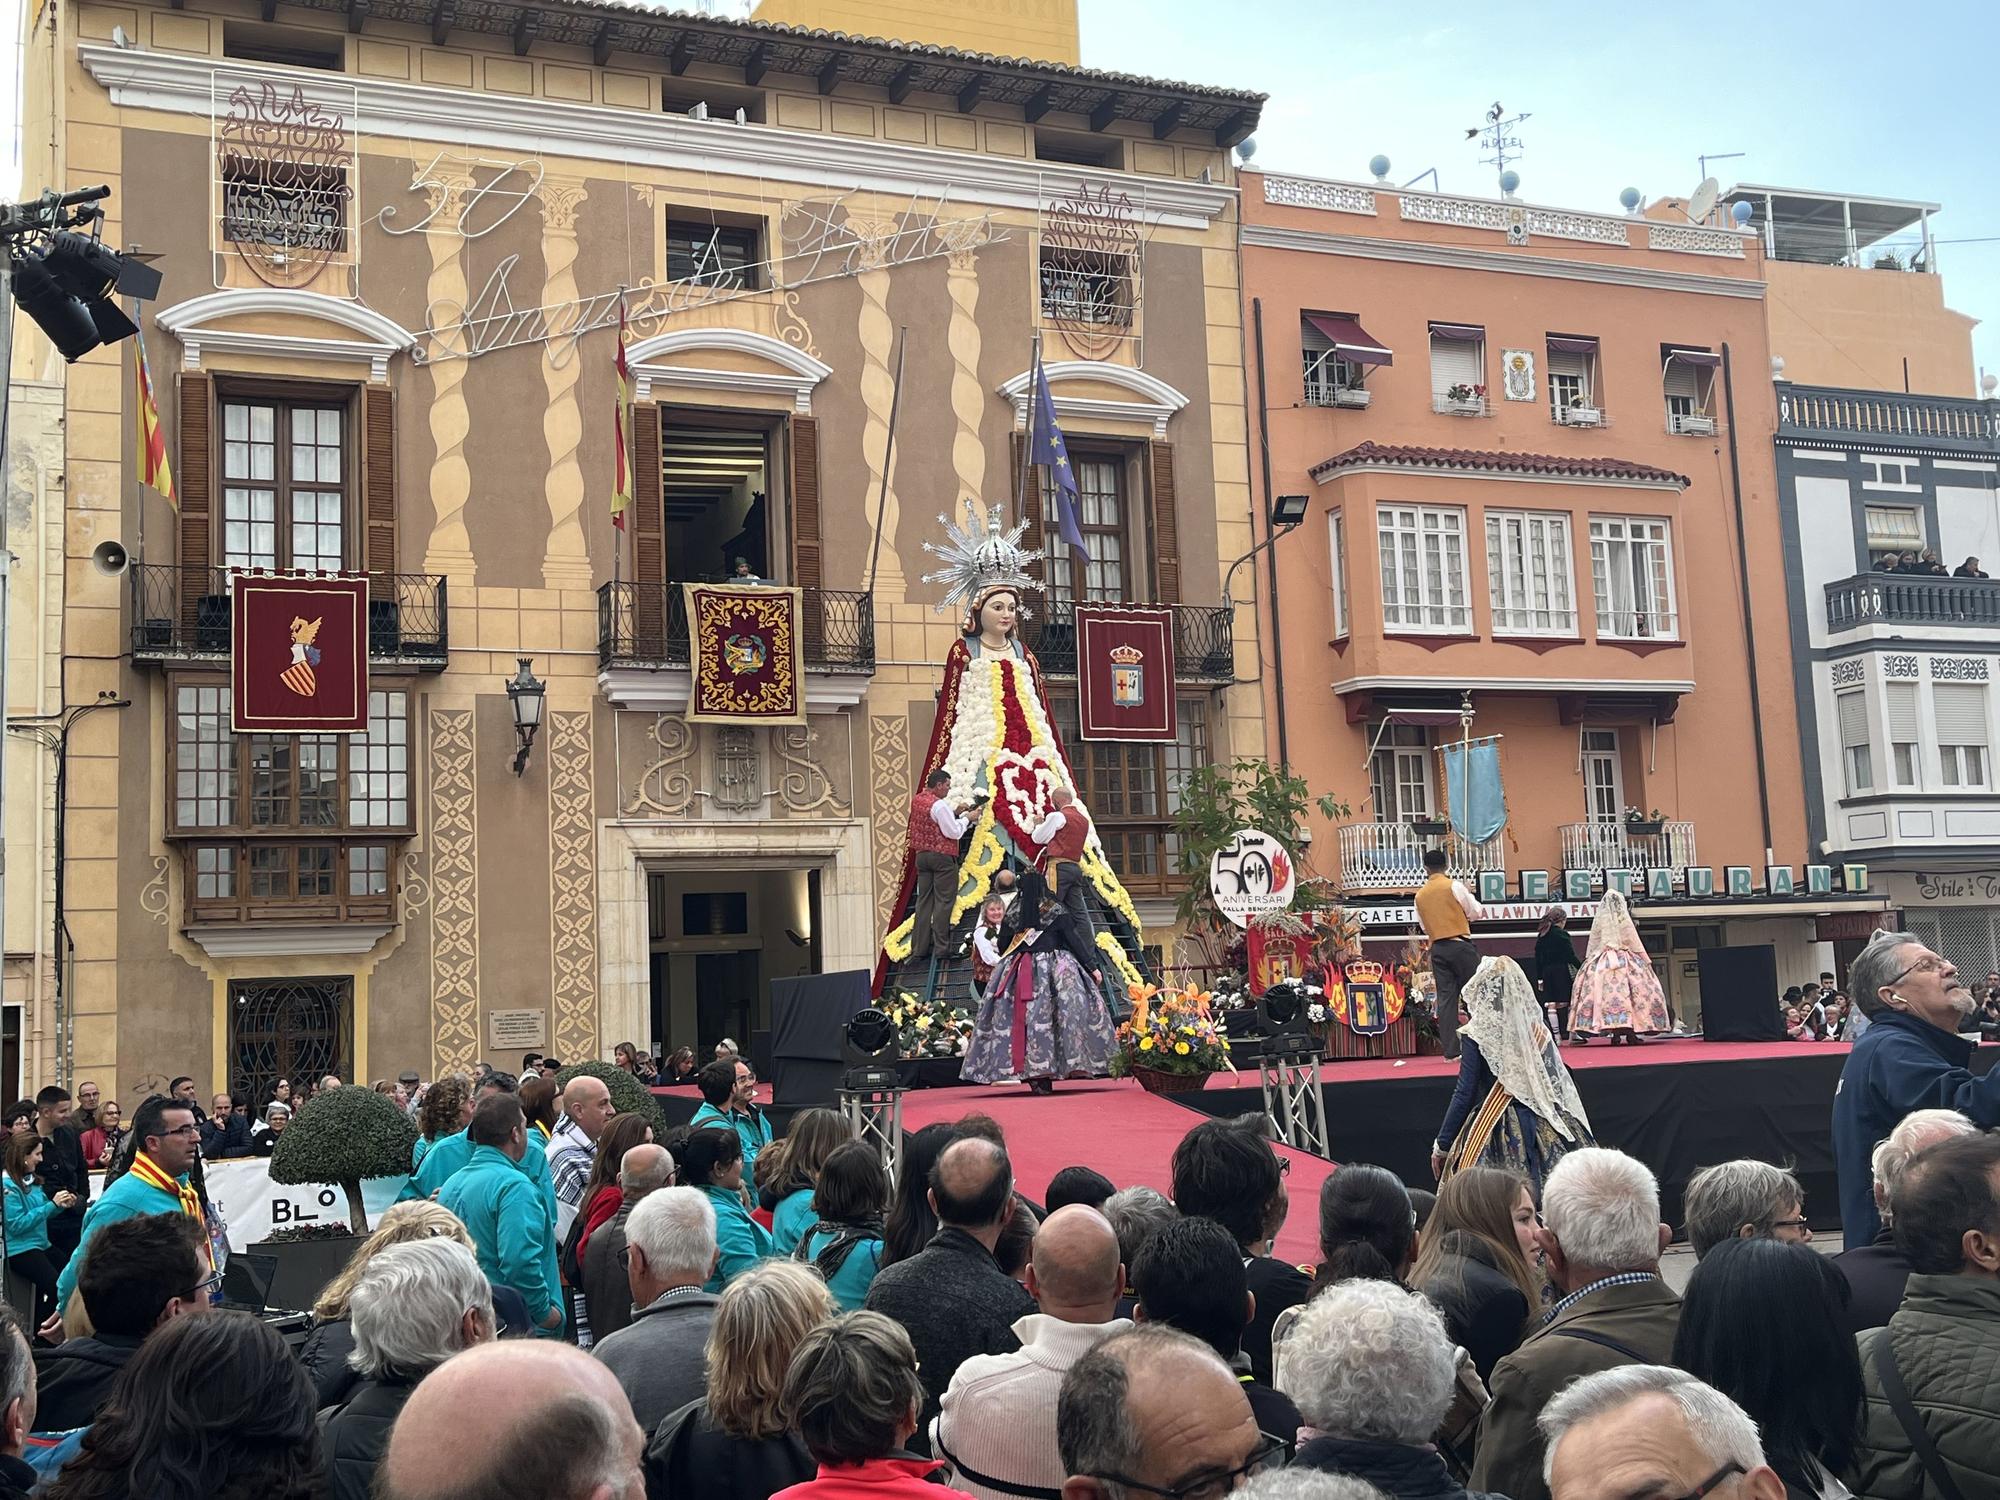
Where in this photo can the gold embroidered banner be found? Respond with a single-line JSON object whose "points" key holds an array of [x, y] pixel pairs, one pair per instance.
{"points": [[747, 654]]}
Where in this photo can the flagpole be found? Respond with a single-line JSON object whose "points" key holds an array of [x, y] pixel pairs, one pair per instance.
{"points": [[1027, 427], [138, 396], [626, 434], [888, 455]]}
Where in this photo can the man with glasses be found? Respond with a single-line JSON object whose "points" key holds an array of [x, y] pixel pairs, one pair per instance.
{"points": [[1912, 1058], [669, 1253], [729, 1091], [1653, 1431], [157, 1183], [1750, 1200], [1154, 1412]]}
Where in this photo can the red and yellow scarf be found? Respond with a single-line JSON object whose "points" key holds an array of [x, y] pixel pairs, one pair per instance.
{"points": [[148, 1171]]}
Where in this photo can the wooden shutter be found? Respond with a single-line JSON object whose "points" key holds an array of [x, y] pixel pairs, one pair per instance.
{"points": [[1166, 524], [808, 542], [1031, 502], [647, 517], [378, 439], [195, 479]]}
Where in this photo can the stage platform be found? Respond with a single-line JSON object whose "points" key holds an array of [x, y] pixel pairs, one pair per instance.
{"points": [[1676, 1104]]}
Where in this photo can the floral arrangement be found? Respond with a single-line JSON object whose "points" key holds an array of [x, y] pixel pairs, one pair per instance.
{"points": [[1464, 392], [1171, 1031], [1230, 992], [929, 1028]]}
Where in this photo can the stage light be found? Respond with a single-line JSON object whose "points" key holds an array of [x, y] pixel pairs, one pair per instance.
{"points": [[868, 1043], [1281, 1017], [62, 317], [91, 269]]}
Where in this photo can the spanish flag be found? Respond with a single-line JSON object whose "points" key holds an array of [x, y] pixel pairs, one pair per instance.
{"points": [[153, 467], [622, 495]]}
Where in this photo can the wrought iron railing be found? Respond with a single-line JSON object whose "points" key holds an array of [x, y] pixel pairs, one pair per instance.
{"points": [[1204, 644], [183, 614], [1390, 856], [646, 625], [1615, 845], [1935, 421], [1911, 599]]}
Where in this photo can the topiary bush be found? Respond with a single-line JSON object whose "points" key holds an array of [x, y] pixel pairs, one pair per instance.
{"points": [[627, 1093], [343, 1136]]}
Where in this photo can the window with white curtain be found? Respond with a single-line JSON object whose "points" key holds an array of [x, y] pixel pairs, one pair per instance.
{"points": [[1632, 569], [1399, 773], [1959, 711], [1423, 567], [1899, 703], [1336, 537], [1851, 709], [1528, 572]]}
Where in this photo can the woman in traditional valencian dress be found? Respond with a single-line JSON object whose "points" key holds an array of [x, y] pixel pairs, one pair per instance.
{"points": [[1043, 1016], [1617, 992], [995, 734], [1515, 1105]]}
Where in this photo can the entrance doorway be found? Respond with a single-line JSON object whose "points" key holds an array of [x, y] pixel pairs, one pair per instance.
{"points": [[717, 493], [719, 937]]}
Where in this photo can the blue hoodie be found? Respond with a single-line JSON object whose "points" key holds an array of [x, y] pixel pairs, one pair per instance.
{"points": [[1902, 1063]]}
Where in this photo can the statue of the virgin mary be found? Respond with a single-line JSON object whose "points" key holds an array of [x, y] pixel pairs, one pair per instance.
{"points": [[996, 736]]}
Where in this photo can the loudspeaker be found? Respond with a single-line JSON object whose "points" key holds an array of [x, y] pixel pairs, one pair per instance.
{"points": [[808, 1019], [109, 558], [1739, 995]]}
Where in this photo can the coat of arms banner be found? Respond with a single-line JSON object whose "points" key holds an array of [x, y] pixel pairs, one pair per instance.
{"points": [[1125, 672], [298, 654], [747, 653]]}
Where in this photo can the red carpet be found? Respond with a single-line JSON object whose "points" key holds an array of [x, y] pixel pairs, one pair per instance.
{"points": [[1592, 1055], [1117, 1127]]}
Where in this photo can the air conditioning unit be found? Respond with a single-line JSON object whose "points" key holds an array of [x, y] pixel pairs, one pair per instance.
{"points": [[1580, 416], [1352, 395]]}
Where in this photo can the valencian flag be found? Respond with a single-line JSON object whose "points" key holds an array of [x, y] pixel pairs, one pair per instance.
{"points": [[621, 497], [153, 467], [1046, 446]]}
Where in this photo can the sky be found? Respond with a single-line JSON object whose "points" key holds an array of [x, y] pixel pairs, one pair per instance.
{"points": [[1892, 101]]}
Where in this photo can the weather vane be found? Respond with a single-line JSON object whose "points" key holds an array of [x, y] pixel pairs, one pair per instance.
{"points": [[1496, 137]]}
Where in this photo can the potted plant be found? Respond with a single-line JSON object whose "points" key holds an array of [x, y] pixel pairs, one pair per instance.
{"points": [[1645, 825], [1429, 828], [1171, 1042], [341, 1138], [1579, 412], [627, 1093], [1465, 399]]}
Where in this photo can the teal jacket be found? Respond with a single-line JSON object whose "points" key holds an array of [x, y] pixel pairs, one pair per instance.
{"points": [[417, 1154], [790, 1220], [740, 1240], [450, 1152], [850, 1283], [752, 1128], [512, 1228], [28, 1210], [127, 1198]]}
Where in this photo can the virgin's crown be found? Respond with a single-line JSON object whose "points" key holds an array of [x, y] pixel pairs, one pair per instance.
{"points": [[977, 558]]}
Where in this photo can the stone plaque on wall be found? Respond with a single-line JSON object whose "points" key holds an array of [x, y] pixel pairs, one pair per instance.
{"points": [[517, 1030]]}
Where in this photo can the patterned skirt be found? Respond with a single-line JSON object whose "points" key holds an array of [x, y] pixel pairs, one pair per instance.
{"points": [[1504, 1132], [1041, 1017], [1619, 992]]}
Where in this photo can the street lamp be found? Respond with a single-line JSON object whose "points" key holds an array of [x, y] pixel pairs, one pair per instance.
{"points": [[1288, 513], [525, 692]]}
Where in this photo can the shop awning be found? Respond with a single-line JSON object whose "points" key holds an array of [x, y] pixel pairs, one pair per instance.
{"points": [[1560, 345], [1699, 358], [1350, 340], [1459, 333]]}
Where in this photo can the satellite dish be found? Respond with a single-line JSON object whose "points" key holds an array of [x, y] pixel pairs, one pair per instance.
{"points": [[1246, 148], [1702, 204]]}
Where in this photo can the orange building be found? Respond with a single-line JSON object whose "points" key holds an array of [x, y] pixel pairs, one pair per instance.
{"points": [[1532, 450]]}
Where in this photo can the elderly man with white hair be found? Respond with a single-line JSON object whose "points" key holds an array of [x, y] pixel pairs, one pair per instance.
{"points": [[415, 1306], [669, 1253], [1877, 1271], [1651, 1430], [607, 1292], [1602, 1240], [1372, 1371]]}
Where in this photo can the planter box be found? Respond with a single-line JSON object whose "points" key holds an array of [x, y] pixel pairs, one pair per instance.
{"points": [[1645, 828], [1429, 828], [1153, 1081], [1582, 416], [1352, 397], [304, 1268]]}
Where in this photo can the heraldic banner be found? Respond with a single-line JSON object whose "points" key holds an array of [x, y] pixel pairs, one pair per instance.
{"points": [[747, 653], [1125, 672], [298, 654]]}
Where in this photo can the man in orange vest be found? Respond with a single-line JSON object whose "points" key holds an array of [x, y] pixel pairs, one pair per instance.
{"points": [[936, 826], [1062, 835], [1448, 910]]}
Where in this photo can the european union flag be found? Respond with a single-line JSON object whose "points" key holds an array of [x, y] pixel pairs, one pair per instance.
{"points": [[1045, 446]]}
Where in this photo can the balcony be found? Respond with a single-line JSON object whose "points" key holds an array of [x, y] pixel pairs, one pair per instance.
{"points": [[182, 615], [645, 625], [1880, 417], [1911, 599], [1326, 393], [1609, 845], [1204, 644], [1579, 416], [1390, 856], [1690, 424]]}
